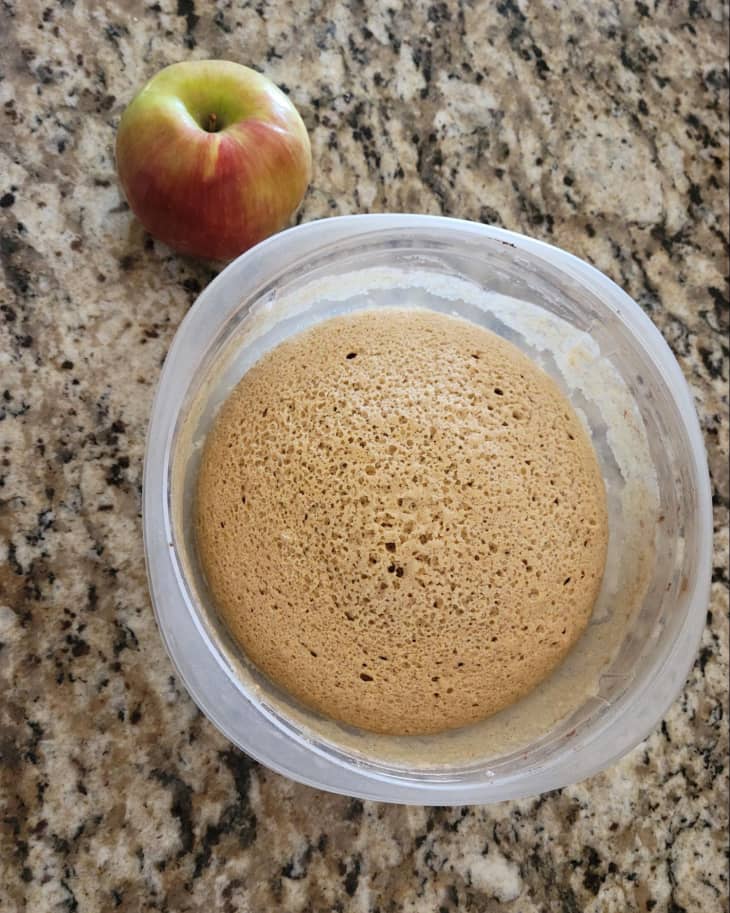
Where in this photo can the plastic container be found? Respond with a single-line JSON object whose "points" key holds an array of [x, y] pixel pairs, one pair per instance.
{"points": [[622, 379]]}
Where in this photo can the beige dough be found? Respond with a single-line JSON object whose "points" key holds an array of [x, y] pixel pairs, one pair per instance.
{"points": [[401, 520]]}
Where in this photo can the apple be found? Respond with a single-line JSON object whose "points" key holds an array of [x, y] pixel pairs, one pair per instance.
{"points": [[212, 158]]}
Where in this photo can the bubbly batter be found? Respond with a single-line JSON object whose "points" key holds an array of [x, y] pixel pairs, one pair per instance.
{"points": [[401, 520]]}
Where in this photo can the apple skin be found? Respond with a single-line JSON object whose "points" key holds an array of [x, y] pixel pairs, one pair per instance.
{"points": [[212, 194]]}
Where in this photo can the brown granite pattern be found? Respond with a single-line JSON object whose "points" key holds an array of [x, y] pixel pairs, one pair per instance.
{"points": [[601, 127]]}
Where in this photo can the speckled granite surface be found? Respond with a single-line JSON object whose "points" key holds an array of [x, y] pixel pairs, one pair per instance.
{"points": [[600, 127]]}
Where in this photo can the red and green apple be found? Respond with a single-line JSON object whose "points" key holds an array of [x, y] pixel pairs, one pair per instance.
{"points": [[212, 158]]}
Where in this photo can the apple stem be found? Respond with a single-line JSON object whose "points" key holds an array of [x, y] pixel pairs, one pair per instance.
{"points": [[211, 124]]}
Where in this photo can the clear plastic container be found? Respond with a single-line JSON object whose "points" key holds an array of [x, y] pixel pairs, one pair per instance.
{"points": [[622, 379]]}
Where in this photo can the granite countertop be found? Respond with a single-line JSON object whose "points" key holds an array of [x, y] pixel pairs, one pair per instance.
{"points": [[599, 127]]}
